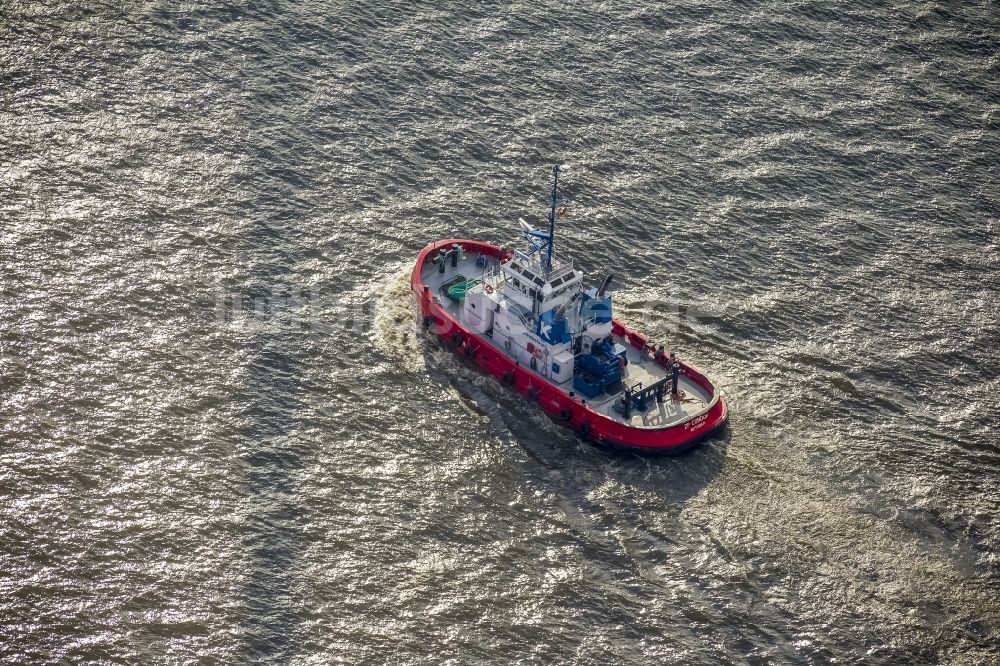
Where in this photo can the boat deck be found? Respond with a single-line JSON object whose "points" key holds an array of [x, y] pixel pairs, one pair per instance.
{"points": [[466, 268], [690, 401]]}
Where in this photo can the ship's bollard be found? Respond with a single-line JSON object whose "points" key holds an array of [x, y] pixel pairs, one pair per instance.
{"points": [[677, 372], [454, 254]]}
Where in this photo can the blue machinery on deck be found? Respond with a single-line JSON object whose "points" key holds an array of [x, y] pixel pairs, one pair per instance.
{"points": [[600, 369]]}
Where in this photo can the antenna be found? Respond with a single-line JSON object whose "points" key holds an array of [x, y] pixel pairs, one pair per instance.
{"points": [[552, 216]]}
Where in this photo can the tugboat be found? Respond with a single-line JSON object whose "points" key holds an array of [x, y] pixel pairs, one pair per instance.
{"points": [[526, 317]]}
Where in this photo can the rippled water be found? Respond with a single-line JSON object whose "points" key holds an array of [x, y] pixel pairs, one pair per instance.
{"points": [[224, 439]]}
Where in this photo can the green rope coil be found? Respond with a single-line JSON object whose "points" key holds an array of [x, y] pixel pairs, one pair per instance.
{"points": [[457, 291]]}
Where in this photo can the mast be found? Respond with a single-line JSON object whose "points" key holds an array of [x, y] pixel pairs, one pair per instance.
{"points": [[552, 216]]}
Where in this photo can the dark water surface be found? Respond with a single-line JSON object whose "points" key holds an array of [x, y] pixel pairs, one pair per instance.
{"points": [[223, 440]]}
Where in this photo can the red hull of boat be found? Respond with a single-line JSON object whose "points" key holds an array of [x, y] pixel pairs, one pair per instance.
{"points": [[672, 439]]}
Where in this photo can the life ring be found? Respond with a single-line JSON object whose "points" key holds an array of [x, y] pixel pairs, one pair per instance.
{"points": [[488, 289], [585, 428], [566, 413], [456, 339], [507, 379]]}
